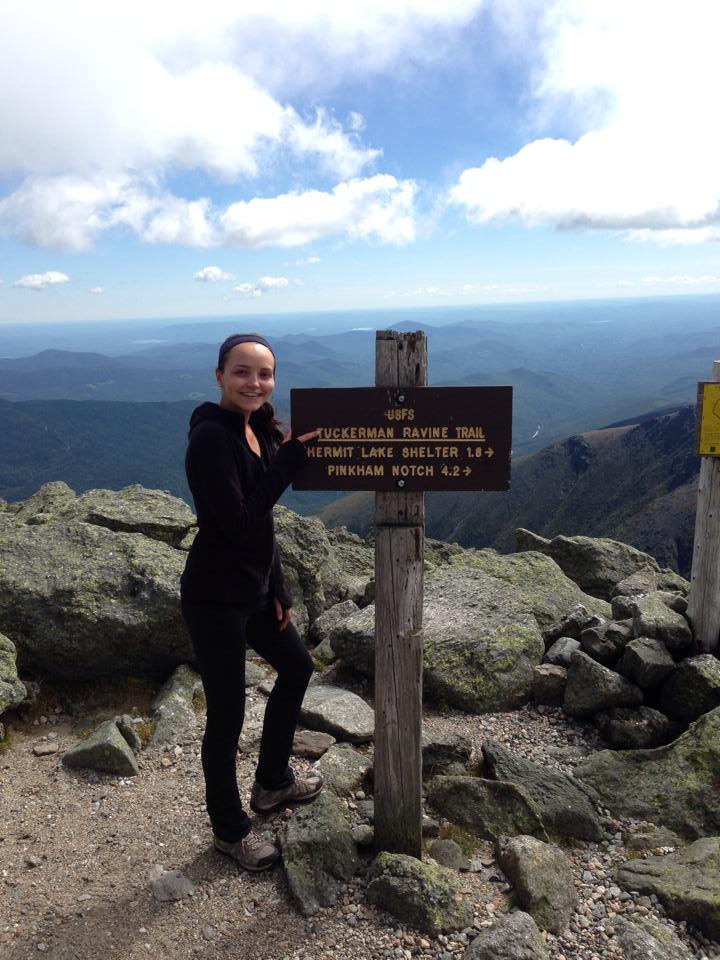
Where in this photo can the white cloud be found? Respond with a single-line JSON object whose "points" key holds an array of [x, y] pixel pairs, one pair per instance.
{"points": [[97, 290], [40, 281], [379, 208], [307, 261], [212, 275], [641, 79], [681, 280], [71, 213], [255, 290]]}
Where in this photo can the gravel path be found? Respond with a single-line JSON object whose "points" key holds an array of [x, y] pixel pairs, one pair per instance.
{"points": [[76, 851]]}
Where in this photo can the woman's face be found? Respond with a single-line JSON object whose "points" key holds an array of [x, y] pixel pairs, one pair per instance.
{"points": [[247, 379]]}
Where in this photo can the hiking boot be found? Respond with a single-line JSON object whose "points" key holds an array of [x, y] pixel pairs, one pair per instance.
{"points": [[252, 852], [299, 791]]}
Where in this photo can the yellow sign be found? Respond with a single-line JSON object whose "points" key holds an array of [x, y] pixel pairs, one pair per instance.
{"points": [[709, 419]]}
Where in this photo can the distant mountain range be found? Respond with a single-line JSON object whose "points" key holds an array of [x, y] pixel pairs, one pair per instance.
{"points": [[635, 482]]}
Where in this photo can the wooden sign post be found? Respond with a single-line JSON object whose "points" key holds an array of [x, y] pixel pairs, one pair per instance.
{"points": [[704, 601], [400, 362], [399, 439]]}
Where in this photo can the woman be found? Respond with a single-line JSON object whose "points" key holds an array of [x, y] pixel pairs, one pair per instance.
{"points": [[233, 592]]}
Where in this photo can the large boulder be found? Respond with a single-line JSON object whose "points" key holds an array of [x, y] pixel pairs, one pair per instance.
{"points": [[12, 691], [418, 894], [320, 571], [646, 661], [483, 620], [644, 938], [674, 785], [591, 688], [686, 882], [489, 808], [513, 936], [343, 768], [565, 809], [639, 728], [82, 601], [319, 853], [692, 689], [135, 509], [596, 564], [538, 582], [652, 617], [542, 878]]}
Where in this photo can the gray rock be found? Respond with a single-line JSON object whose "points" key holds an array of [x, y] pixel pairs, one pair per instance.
{"points": [[255, 674], [675, 601], [592, 688], [440, 750], [549, 682], [134, 509], [564, 808], [477, 663], [645, 938], [45, 505], [318, 852], [646, 661], [602, 644], [650, 837], [653, 618], [12, 691], [448, 854], [686, 882], [622, 608], [363, 835], [644, 580], [169, 885], [311, 744], [81, 601], [674, 785], [338, 712], [344, 768], [418, 894], [321, 628], [514, 936], [572, 624], [105, 750], [542, 878], [561, 650], [490, 808], [173, 708], [596, 564], [126, 726], [692, 689], [626, 728], [324, 652], [322, 567]]}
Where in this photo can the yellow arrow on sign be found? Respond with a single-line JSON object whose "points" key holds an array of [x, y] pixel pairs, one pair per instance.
{"points": [[467, 471], [489, 452]]}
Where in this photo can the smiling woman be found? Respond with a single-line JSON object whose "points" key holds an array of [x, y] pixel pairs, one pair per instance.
{"points": [[234, 593]]}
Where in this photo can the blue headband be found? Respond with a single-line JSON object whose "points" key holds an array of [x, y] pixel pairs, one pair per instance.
{"points": [[243, 338]]}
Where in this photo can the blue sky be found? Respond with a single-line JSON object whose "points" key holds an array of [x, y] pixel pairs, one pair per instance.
{"points": [[164, 160]]}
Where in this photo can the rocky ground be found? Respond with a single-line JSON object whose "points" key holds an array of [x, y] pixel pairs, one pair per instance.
{"points": [[77, 850]]}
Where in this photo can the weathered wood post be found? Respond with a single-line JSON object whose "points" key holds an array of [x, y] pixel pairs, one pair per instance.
{"points": [[400, 361], [704, 602]]}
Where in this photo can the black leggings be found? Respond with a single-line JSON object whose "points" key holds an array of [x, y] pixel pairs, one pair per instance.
{"points": [[219, 636]]}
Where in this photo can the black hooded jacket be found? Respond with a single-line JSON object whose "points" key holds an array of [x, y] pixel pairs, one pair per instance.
{"points": [[234, 557]]}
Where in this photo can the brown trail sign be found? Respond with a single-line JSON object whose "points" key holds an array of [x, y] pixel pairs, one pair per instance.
{"points": [[401, 438]]}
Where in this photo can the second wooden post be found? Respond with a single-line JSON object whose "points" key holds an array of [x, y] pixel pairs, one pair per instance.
{"points": [[401, 361]]}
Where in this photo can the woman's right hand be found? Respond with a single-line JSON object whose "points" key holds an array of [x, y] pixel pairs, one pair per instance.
{"points": [[304, 437]]}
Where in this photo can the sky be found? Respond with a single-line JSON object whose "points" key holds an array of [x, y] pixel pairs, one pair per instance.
{"points": [[171, 159]]}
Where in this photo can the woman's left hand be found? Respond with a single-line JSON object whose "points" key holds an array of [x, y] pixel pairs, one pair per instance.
{"points": [[283, 615]]}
